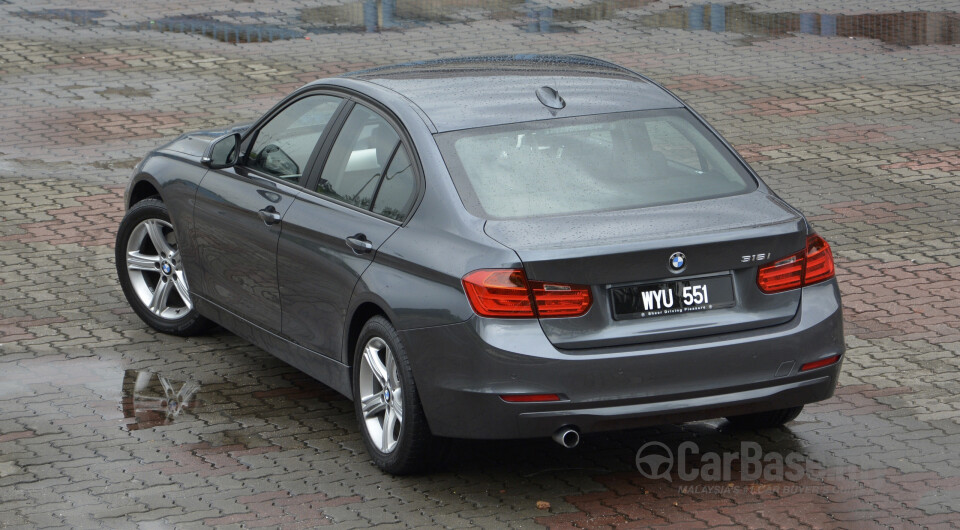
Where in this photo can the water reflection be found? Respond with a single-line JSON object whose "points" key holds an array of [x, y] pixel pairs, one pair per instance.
{"points": [[151, 399], [532, 16], [82, 17], [905, 29], [222, 31], [537, 16]]}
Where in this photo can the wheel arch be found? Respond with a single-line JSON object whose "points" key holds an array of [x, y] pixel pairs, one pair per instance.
{"points": [[363, 312], [187, 324], [142, 187]]}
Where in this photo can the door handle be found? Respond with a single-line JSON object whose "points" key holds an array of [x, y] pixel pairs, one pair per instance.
{"points": [[270, 215], [359, 244]]}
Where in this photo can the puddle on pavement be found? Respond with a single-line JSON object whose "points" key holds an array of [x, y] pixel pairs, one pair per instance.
{"points": [[81, 17], [531, 16], [904, 29], [900, 28], [150, 399], [201, 25], [221, 31]]}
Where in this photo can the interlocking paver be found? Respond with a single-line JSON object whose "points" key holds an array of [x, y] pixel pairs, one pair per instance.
{"points": [[861, 134]]}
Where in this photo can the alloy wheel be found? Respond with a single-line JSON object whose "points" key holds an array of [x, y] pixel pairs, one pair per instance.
{"points": [[156, 270], [381, 395]]}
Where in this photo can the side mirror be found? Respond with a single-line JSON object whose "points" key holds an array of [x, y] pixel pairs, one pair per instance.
{"points": [[222, 152]]}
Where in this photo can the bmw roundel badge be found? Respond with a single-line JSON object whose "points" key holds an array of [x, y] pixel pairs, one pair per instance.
{"points": [[677, 261]]}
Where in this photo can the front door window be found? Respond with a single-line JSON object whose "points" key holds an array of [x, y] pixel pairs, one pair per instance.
{"points": [[283, 146]]}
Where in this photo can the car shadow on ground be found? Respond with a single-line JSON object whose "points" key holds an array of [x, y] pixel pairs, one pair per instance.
{"points": [[608, 452], [288, 391]]}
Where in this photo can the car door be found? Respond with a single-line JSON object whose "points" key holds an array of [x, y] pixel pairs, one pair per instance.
{"points": [[364, 192], [239, 210]]}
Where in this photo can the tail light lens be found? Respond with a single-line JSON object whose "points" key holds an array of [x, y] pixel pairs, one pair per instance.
{"points": [[506, 293], [560, 300], [819, 263], [807, 267], [499, 293], [782, 275]]}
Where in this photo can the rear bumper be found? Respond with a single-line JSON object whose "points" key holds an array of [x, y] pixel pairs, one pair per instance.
{"points": [[462, 369]]}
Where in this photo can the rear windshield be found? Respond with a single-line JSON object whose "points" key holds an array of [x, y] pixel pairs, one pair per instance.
{"points": [[587, 164]]}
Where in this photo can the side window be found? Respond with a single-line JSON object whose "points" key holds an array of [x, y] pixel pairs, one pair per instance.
{"points": [[672, 144], [358, 158], [283, 146], [398, 188]]}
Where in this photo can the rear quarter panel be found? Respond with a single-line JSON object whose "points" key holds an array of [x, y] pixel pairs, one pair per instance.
{"points": [[415, 276], [416, 273]]}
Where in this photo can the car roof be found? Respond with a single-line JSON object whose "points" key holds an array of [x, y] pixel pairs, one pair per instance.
{"points": [[470, 92]]}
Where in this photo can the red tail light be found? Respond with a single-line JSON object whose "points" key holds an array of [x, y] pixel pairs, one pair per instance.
{"points": [[500, 293], [807, 267], [819, 264], [506, 293], [560, 300], [782, 275]]}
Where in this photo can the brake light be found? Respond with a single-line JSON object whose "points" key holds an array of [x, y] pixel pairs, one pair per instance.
{"points": [[560, 300], [782, 275], [807, 267], [819, 264], [506, 293], [500, 293]]}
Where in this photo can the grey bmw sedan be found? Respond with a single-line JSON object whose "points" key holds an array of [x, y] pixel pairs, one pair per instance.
{"points": [[491, 247]]}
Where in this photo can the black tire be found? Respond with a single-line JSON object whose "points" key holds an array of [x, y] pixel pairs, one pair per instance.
{"points": [[771, 418], [414, 442], [183, 319]]}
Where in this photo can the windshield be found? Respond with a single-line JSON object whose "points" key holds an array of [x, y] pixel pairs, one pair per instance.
{"points": [[594, 163]]}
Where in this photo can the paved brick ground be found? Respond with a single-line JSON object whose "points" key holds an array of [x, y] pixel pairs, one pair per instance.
{"points": [[861, 134]]}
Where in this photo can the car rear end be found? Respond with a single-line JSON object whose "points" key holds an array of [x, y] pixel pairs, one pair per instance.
{"points": [[658, 280]]}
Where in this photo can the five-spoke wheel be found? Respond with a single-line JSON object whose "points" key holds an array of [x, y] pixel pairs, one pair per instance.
{"points": [[151, 270], [156, 271], [381, 395], [385, 396]]}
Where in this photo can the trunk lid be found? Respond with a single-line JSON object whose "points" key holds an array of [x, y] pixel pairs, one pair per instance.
{"points": [[723, 237]]}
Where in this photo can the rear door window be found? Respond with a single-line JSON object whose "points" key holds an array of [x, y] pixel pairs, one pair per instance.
{"points": [[359, 158], [398, 190]]}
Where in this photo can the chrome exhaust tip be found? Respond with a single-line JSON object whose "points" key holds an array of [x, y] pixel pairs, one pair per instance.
{"points": [[568, 437]]}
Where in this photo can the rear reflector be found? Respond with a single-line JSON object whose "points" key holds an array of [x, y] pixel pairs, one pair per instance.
{"points": [[506, 293], [807, 267], [529, 398], [820, 364]]}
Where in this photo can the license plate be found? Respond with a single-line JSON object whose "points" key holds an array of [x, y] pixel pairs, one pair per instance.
{"points": [[672, 297]]}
